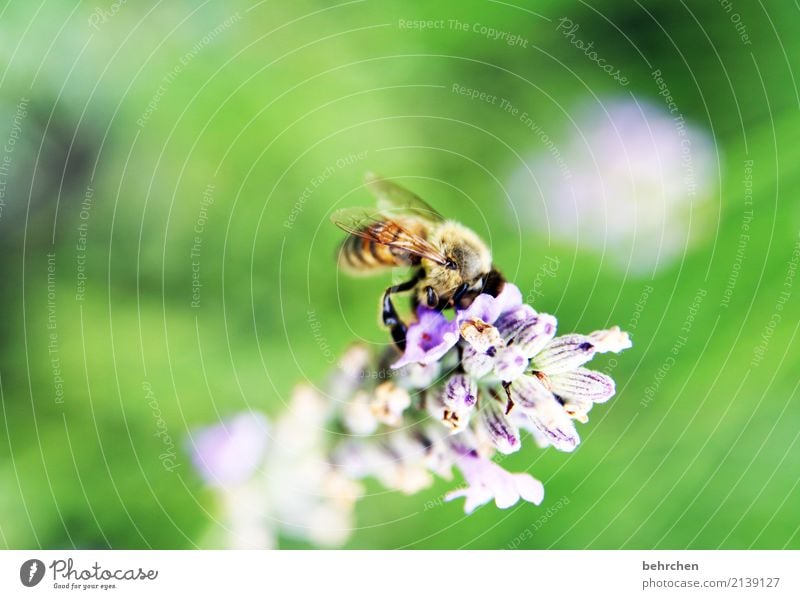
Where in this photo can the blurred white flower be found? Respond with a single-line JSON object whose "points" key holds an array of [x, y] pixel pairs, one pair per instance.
{"points": [[229, 453], [400, 461], [357, 415], [286, 486], [227, 456], [389, 403], [245, 517], [637, 186], [310, 499]]}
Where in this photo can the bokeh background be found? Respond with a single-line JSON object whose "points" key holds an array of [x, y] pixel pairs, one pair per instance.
{"points": [[166, 177]]}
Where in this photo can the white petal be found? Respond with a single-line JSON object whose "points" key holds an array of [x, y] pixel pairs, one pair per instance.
{"points": [[389, 402], [524, 423], [529, 488], [357, 415], [400, 463], [551, 419], [510, 363], [350, 370], [564, 353], [505, 493], [481, 335], [544, 412], [528, 391], [460, 392], [503, 433], [409, 478], [456, 420], [578, 409], [476, 364], [475, 497], [535, 334], [486, 480], [583, 384], [418, 376], [611, 340], [246, 517], [438, 457]]}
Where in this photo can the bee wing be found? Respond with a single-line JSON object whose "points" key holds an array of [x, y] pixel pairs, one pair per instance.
{"points": [[399, 200], [385, 229]]}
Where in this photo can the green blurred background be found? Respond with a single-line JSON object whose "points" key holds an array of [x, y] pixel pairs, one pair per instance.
{"points": [[137, 123]]}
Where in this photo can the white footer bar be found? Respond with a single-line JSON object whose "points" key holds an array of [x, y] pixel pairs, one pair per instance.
{"points": [[406, 574]]}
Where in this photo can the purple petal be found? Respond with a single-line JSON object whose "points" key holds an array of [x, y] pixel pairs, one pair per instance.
{"points": [[509, 298], [484, 307], [229, 453], [428, 339], [488, 308], [513, 320]]}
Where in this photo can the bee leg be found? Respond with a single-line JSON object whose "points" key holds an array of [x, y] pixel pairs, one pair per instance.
{"points": [[396, 326], [431, 297], [459, 293], [390, 317]]}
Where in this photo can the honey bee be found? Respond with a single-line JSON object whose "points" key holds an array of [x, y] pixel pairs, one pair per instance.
{"points": [[452, 264]]}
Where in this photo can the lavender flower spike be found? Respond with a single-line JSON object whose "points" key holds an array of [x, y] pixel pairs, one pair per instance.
{"points": [[466, 389]]}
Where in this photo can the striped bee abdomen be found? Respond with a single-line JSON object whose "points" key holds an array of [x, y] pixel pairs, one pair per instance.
{"points": [[378, 245]]}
